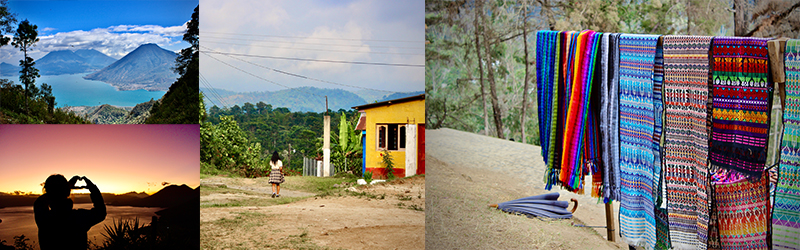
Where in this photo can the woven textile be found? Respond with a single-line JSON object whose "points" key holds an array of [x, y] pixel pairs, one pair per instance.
{"points": [[741, 104], [636, 59], [609, 114], [575, 164], [786, 215], [742, 212], [686, 139], [547, 72]]}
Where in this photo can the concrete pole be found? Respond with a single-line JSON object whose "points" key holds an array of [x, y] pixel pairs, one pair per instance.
{"points": [[326, 148]]}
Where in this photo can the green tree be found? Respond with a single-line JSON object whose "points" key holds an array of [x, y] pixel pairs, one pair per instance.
{"points": [[179, 105], [227, 147], [7, 19], [25, 39]]}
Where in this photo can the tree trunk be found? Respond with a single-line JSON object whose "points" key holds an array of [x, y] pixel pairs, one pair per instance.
{"points": [[497, 113], [480, 68], [527, 78], [739, 22]]}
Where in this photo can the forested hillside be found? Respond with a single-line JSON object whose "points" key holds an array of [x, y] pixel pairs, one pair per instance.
{"points": [[481, 55]]}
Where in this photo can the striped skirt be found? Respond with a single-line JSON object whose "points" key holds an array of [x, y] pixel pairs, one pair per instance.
{"points": [[276, 177]]}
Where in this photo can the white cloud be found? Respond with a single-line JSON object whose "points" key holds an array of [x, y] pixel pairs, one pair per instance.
{"points": [[115, 41]]}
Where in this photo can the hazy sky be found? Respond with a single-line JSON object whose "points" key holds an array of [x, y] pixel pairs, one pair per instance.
{"points": [[112, 27], [359, 30], [117, 158]]}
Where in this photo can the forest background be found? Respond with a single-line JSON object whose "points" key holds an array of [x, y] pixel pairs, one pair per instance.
{"points": [[480, 56]]}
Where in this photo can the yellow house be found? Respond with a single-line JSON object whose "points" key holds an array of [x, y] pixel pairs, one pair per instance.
{"points": [[397, 126]]}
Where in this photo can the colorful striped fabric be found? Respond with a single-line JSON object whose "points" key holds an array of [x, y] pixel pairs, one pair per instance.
{"points": [[742, 211], [662, 221], [637, 56], [547, 72], [686, 139], [741, 104], [574, 164], [609, 115], [786, 215]]}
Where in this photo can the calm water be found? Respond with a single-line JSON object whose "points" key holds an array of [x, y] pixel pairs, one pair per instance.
{"points": [[73, 90], [19, 220]]}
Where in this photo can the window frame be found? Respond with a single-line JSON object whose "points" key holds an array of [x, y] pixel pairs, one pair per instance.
{"points": [[385, 137]]}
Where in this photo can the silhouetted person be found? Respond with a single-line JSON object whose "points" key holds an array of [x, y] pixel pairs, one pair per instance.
{"points": [[60, 226]]}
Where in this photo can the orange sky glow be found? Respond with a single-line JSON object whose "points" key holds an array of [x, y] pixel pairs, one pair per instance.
{"points": [[117, 158]]}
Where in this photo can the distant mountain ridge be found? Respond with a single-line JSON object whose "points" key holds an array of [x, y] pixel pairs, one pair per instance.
{"points": [[72, 62], [148, 67], [303, 99], [7, 69]]}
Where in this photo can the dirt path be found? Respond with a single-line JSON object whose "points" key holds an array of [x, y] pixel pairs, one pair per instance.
{"points": [[387, 216], [466, 172], [252, 185]]}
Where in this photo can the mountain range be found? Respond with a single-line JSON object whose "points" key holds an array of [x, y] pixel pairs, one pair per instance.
{"points": [[7, 69], [147, 67], [72, 62], [302, 99]]}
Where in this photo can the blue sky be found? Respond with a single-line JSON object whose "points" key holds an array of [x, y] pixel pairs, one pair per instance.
{"points": [[112, 27], [354, 30]]}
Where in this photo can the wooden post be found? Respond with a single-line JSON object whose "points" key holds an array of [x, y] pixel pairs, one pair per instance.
{"points": [[777, 49], [610, 226]]}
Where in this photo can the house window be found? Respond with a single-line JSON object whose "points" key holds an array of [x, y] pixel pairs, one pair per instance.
{"points": [[391, 137]]}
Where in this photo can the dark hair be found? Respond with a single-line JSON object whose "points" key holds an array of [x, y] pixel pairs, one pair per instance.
{"points": [[57, 186], [275, 157]]}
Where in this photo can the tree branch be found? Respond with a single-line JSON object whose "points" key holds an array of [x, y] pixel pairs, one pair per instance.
{"points": [[774, 19]]}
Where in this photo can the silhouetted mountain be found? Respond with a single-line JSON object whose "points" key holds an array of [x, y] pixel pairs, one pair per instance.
{"points": [[303, 99], [69, 62], [170, 196], [148, 67], [7, 69]]}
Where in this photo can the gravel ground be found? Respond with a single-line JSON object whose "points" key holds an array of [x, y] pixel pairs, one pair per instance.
{"points": [[466, 172]]}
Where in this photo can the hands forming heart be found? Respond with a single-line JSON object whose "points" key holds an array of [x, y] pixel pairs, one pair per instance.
{"points": [[75, 185]]}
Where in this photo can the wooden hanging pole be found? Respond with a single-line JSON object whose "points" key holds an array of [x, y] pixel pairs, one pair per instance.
{"points": [[777, 48], [610, 226]]}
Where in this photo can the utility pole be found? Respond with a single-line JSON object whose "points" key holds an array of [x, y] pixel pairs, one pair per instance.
{"points": [[326, 148]]}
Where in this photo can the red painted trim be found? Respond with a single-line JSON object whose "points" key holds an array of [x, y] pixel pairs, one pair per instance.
{"points": [[380, 173]]}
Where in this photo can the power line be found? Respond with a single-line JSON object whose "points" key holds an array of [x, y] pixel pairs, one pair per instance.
{"points": [[264, 79], [325, 50], [320, 38], [324, 44], [306, 77], [211, 94], [212, 101], [213, 90], [318, 60]]}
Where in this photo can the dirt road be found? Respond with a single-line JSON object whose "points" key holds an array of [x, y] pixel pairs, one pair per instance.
{"points": [[382, 216], [465, 172]]}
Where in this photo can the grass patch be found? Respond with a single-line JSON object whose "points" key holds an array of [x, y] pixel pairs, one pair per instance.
{"points": [[404, 198], [255, 202], [245, 220], [208, 190], [316, 185]]}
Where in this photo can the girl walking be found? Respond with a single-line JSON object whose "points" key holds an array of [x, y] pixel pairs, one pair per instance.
{"points": [[276, 174]]}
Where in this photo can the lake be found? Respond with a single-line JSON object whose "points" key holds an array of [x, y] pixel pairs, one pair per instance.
{"points": [[19, 220], [73, 90]]}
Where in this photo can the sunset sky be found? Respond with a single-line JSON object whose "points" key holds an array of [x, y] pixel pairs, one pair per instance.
{"points": [[117, 158]]}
